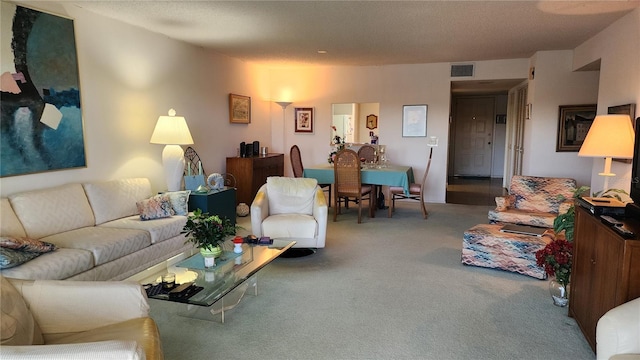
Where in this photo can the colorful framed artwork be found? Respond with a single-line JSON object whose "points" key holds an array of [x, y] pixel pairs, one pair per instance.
{"points": [[414, 120], [627, 109], [372, 122], [304, 120], [239, 109], [574, 122], [42, 127]]}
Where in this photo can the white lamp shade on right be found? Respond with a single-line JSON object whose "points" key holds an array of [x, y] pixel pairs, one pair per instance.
{"points": [[609, 136]]}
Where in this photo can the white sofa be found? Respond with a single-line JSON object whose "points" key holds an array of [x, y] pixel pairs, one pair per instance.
{"points": [[96, 228], [618, 333], [53, 319], [291, 208]]}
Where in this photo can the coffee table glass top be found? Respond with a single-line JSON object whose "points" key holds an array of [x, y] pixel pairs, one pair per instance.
{"points": [[228, 273]]}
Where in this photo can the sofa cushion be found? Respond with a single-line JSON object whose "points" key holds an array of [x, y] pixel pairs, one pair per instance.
{"points": [[116, 199], [123, 350], [26, 244], [18, 327], [53, 210], [524, 217], [543, 194], [291, 195], [11, 226], [57, 265], [156, 207], [290, 226], [179, 201], [159, 229], [106, 244], [10, 257]]}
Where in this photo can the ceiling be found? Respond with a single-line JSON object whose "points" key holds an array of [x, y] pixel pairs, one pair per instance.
{"points": [[369, 33]]}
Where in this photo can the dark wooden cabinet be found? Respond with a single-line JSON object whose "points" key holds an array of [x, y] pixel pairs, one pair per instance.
{"points": [[605, 272], [252, 172]]}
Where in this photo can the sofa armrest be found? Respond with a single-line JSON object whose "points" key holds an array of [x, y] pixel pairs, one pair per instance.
{"points": [[64, 306], [505, 202], [618, 331], [92, 350], [259, 210], [320, 213]]}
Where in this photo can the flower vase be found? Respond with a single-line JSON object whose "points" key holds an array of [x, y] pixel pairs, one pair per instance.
{"points": [[559, 292]]}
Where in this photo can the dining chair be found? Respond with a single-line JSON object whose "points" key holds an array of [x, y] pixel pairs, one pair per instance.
{"points": [[416, 191], [348, 183], [368, 153], [298, 169]]}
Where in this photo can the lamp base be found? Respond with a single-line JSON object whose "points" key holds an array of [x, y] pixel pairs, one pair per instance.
{"points": [[173, 163]]}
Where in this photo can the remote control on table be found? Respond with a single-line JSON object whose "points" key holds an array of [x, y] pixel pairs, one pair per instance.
{"points": [[610, 221], [624, 232]]}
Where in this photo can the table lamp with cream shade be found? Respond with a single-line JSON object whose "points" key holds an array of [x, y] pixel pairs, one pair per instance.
{"points": [[172, 131], [610, 136]]}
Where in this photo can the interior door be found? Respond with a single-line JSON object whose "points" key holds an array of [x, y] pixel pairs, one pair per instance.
{"points": [[515, 132], [473, 136]]}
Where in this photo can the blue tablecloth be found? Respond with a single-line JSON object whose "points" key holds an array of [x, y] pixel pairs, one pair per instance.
{"points": [[392, 175]]}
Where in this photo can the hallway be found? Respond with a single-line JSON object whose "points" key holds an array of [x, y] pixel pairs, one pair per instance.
{"points": [[473, 190]]}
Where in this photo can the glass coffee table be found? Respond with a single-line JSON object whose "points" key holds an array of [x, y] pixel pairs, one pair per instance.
{"points": [[218, 288]]}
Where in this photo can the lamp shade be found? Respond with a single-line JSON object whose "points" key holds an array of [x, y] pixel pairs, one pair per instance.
{"points": [[610, 136], [171, 130]]}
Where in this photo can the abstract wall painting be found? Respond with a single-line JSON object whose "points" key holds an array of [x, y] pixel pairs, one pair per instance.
{"points": [[41, 117]]}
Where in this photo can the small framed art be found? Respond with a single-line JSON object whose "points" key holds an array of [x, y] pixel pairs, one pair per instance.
{"points": [[574, 123], [414, 120], [239, 109], [304, 120]]}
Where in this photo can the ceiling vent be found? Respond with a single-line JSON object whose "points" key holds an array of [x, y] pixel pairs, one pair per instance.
{"points": [[462, 70]]}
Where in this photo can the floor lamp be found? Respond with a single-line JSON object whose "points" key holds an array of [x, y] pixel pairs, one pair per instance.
{"points": [[284, 105], [610, 136], [172, 131]]}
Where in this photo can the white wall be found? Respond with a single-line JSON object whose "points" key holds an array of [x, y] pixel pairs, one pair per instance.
{"points": [[618, 47], [555, 84], [129, 77]]}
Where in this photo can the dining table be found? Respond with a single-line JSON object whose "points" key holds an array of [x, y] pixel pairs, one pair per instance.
{"points": [[388, 175]]}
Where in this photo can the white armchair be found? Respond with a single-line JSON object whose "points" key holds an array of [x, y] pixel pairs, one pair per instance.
{"points": [[291, 208], [618, 333]]}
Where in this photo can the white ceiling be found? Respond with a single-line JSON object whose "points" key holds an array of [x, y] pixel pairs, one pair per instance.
{"points": [[369, 32]]}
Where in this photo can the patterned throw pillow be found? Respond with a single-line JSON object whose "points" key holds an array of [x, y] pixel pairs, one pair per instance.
{"points": [[26, 244], [180, 201], [156, 207], [10, 257]]}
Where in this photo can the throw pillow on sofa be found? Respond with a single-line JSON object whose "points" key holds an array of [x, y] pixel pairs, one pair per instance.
{"points": [[179, 201], [26, 244], [156, 207], [10, 258]]}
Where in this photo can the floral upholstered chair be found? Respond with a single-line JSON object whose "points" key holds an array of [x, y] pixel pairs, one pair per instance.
{"points": [[534, 201]]}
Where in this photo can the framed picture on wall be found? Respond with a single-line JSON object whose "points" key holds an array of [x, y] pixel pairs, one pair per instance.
{"points": [[627, 109], [239, 109], [574, 122], [414, 120], [304, 120]]}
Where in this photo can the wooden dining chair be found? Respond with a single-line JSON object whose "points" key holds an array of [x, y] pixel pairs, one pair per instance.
{"points": [[416, 191], [298, 168], [368, 153], [348, 183]]}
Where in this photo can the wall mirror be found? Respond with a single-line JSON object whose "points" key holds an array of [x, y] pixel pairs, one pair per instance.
{"points": [[350, 122]]}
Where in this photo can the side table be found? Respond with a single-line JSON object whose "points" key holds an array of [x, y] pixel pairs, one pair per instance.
{"points": [[216, 202]]}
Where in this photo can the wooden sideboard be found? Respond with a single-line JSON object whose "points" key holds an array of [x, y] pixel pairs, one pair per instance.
{"points": [[252, 172], [605, 271]]}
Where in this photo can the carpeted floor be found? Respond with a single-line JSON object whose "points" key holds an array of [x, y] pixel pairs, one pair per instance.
{"points": [[384, 289]]}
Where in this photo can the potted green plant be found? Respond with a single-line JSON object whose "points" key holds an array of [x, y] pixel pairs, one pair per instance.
{"points": [[566, 221], [208, 232]]}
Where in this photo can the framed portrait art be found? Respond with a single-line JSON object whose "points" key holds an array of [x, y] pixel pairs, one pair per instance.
{"points": [[574, 122], [304, 120], [414, 120], [239, 109]]}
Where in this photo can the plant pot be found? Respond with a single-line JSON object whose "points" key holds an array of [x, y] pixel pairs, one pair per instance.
{"points": [[210, 255]]}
